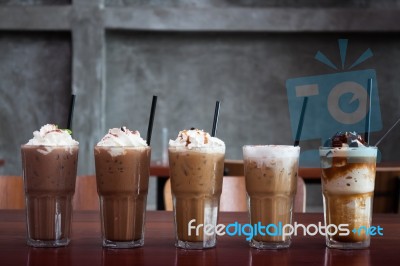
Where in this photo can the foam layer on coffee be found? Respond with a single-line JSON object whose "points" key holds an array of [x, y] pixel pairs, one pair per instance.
{"points": [[51, 135], [357, 180], [348, 170], [267, 154], [195, 139]]}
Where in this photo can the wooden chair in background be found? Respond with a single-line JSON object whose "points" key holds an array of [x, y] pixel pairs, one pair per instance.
{"points": [[12, 195]]}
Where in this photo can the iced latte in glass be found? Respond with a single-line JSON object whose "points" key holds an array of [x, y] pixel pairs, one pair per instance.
{"points": [[196, 163], [271, 182], [49, 163], [122, 160], [348, 181]]}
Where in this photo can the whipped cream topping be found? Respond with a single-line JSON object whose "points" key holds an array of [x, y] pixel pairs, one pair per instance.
{"points": [[121, 137], [51, 135], [195, 138]]}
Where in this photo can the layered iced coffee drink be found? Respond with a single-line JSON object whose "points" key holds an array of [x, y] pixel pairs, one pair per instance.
{"points": [[271, 183], [49, 163], [348, 180], [196, 169], [122, 160]]}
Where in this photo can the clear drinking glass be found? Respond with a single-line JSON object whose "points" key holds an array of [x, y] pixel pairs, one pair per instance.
{"points": [[271, 183], [49, 174], [122, 176], [196, 185], [348, 181]]}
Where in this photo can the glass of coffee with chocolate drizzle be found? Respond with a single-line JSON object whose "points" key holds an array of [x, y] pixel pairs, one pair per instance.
{"points": [[348, 178]]}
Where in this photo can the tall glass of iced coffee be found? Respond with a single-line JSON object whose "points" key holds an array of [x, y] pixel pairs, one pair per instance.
{"points": [[271, 182], [348, 181], [196, 163], [49, 163], [122, 160]]}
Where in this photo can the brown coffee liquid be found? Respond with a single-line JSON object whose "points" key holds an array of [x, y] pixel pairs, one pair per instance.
{"points": [[122, 184], [49, 187], [196, 183], [271, 191], [354, 209]]}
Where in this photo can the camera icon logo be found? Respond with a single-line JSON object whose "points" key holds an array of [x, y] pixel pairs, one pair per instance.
{"points": [[336, 102]]}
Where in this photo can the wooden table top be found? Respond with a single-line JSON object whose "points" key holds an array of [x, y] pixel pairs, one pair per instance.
{"points": [[85, 247]]}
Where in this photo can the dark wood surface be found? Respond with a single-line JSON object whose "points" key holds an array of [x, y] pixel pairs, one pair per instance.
{"points": [[85, 247]]}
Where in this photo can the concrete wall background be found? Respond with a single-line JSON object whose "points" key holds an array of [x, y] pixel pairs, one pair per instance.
{"points": [[255, 3], [115, 54], [247, 72], [188, 70], [35, 74], [34, 2]]}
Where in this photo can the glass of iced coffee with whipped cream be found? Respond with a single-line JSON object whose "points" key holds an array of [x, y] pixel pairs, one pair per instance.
{"points": [[122, 160], [196, 163], [348, 179], [49, 163], [271, 183]]}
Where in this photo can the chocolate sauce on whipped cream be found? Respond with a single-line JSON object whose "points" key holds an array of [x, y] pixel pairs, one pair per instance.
{"points": [[346, 139]]}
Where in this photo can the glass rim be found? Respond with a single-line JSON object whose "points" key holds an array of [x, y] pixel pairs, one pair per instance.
{"points": [[215, 150], [122, 147], [271, 145], [51, 146], [350, 148], [198, 148]]}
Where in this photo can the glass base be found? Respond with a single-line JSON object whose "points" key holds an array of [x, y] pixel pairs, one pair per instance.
{"points": [[195, 245], [347, 245], [48, 243], [123, 244], [270, 245]]}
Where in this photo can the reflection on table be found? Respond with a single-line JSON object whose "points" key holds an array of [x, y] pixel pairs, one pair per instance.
{"points": [[85, 247]]}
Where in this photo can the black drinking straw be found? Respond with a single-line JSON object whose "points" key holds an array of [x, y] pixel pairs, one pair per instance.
{"points": [[71, 112], [301, 121], [215, 122], [151, 120], [368, 117]]}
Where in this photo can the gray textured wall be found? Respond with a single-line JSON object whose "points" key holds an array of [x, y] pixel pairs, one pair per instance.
{"points": [[115, 72], [247, 72], [34, 2], [35, 84], [255, 3]]}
